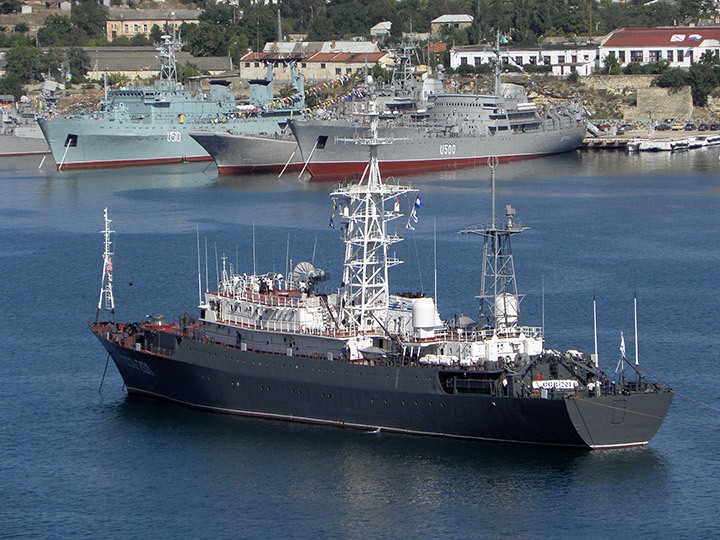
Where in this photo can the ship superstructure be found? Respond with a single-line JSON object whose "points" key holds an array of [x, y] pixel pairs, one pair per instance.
{"points": [[275, 346]]}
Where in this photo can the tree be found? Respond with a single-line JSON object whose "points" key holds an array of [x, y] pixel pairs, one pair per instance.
{"points": [[208, 40], [187, 71], [155, 34], [23, 61], [11, 83], [22, 28], [140, 40], [672, 78], [78, 60], [10, 6], [611, 65], [54, 30], [703, 80], [89, 17]]}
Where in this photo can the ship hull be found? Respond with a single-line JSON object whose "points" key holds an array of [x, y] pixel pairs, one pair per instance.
{"points": [[14, 146], [414, 149], [397, 399], [241, 154], [101, 143]]}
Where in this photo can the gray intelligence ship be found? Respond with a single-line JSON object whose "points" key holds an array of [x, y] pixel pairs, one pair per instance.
{"points": [[151, 125], [274, 346]]}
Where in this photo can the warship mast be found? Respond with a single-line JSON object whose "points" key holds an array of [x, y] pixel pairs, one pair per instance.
{"points": [[106, 301], [365, 295], [499, 299]]}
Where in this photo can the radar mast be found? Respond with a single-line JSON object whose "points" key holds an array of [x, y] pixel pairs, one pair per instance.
{"points": [[499, 299], [365, 295], [106, 301]]}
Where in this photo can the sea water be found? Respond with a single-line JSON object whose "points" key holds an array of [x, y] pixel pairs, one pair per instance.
{"points": [[80, 461]]}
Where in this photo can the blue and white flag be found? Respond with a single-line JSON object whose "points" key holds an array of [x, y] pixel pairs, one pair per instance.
{"points": [[622, 344], [413, 213]]}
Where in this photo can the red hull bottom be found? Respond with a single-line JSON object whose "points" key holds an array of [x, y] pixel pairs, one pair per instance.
{"points": [[337, 169], [130, 162]]}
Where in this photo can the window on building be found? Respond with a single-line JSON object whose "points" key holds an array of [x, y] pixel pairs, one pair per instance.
{"points": [[586, 57], [304, 64], [636, 56], [478, 61], [655, 56], [532, 60], [463, 60], [127, 28], [136, 27], [348, 70], [574, 58], [680, 55], [338, 71], [670, 55], [257, 64], [546, 60], [621, 56], [247, 64], [519, 60], [145, 28], [322, 66], [561, 59]]}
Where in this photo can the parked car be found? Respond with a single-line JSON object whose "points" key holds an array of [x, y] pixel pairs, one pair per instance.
{"points": [[662, 127], [677, 127], [703, 127], [714, 127], [690, 127]]}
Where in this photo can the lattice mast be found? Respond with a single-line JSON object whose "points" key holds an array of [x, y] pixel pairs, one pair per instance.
{"points": [[365, 294], [170, 45], [499, 299], [106, 301]]}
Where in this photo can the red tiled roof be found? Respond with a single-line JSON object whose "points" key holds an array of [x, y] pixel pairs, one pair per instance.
{"points": [[662, 37]]}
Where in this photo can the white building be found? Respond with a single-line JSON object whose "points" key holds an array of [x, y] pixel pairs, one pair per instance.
{"points": [[381, 29], [682, 46], [562, 60]]}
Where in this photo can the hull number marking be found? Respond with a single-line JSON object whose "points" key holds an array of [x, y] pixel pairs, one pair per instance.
{"points": [[174, 136], [447, 149]]}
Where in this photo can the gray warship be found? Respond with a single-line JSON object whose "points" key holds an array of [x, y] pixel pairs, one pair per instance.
{"points": [[151, 124], [273, 346], [454, 130]]}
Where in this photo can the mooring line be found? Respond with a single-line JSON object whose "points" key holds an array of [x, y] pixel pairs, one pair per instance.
{"points": [[696, 401]]}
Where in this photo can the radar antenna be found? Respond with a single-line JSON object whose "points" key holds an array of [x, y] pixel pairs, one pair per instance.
{"points": [[106, 301]]}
